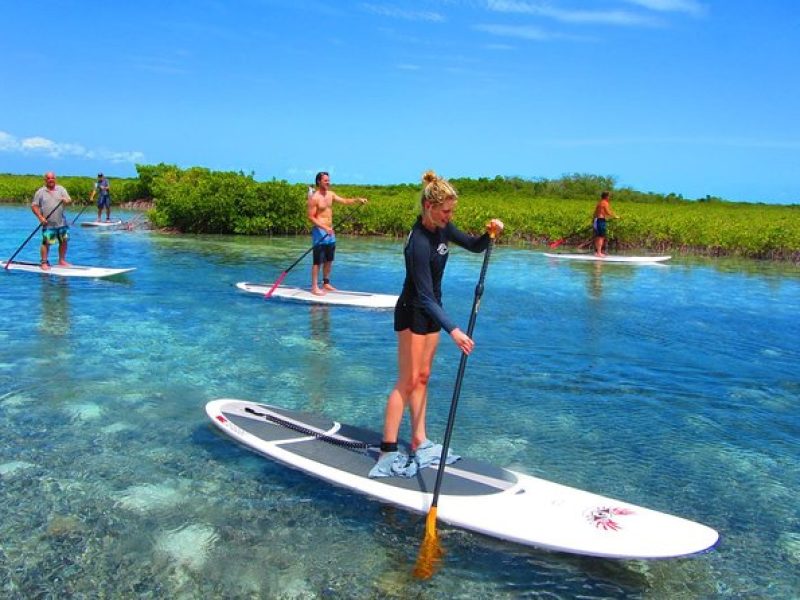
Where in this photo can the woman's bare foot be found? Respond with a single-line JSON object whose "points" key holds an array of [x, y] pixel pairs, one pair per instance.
{"points": [[63, 263], [317, 292], [45, 266], [329, 287]]}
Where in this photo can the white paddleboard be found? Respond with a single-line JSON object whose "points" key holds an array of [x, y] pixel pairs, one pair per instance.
{"points": [[339, 297], [474, 495], [101, 224], [608, 258], [70, 271]]}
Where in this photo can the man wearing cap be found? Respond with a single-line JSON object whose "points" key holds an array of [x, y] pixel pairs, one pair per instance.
{"points": [[104, 197]]}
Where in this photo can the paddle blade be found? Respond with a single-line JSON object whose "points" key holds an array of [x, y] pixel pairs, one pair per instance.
{"points": [[430, 552], [275, 285], [557, 243]]}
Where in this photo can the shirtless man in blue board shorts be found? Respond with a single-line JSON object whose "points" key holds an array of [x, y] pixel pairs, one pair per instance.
{"points": [[323, 238], [601, 212], [48, 206]]}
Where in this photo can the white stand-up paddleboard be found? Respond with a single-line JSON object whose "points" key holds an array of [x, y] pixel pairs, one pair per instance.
{"points": [[608, 258], [70, 271], [474, 495], [101, 224], [339, 297]]}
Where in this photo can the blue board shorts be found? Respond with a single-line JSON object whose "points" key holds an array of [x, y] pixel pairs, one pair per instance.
{"points": [[103, 201], [53, 234], [324, 253], [600, 227], [324, 246]]}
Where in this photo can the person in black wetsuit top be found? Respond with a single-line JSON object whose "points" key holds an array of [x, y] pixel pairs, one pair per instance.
{"points": [[418, 319]]}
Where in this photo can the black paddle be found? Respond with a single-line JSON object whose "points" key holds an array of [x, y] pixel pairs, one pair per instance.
{"points": [[33, 233], [431, 552], [80, 213], [294, 264]]}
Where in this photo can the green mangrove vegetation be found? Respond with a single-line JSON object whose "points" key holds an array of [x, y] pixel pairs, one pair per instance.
{"points": [[199, 200]]}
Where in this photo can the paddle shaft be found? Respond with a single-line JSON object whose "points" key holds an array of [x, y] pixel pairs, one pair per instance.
{"points": [[295, 263], [33, 233], [80, 213], [462, 366], [560, 241]]}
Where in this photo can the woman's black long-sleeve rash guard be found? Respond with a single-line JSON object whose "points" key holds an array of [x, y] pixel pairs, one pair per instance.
{"points": [[426, 257]]}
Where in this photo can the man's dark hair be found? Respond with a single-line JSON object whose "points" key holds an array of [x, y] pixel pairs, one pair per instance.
{"points": [[319, 177]]}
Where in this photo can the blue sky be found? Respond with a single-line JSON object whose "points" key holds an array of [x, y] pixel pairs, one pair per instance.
{"points": [[686, 96]]}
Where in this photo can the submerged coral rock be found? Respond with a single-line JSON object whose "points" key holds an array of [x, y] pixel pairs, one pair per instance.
{"points": [[149, 497], [187, 546]]}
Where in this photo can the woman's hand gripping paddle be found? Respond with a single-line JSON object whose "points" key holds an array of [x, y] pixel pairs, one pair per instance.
{"points": [[430, 552], [33, 233]]}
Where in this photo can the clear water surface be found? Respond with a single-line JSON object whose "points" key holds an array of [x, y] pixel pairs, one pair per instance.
{"points": [[674, 387]]}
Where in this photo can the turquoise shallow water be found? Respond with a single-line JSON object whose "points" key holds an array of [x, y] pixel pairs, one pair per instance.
{"points": [[670, 386]]}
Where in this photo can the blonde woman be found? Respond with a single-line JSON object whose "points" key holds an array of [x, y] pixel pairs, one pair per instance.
{"points": [[418, 319]]}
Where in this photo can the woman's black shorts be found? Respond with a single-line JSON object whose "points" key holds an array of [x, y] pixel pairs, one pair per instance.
{"points": [[408, 316]]}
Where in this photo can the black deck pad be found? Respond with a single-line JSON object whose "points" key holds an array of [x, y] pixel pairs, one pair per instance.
{"points": [[466, 477]]}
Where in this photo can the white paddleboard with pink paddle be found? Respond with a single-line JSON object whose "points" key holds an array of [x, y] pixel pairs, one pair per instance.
{"points": [[610, 258], [337, 298]]}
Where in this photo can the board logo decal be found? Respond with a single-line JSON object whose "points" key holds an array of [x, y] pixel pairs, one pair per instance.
{"points": [[605, 517]]}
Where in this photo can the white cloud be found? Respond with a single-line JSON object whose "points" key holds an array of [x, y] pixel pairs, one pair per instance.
{"points": [[687, 6], [47, 147], [399, 13], [8, 142], [120, 157], [546, 9], [501, 47], [51, 148], [526, 32]]}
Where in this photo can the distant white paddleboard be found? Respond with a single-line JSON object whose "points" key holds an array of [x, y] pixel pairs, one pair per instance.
{"points": [[70, 271], [101, 224], [608, 258], [474, 495], [338, 298]]}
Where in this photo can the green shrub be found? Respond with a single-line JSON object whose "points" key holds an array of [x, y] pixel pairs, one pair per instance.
{"points": [[198, 200]]}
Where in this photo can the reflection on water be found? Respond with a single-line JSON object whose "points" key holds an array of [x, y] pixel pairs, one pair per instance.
{"points": [[54, 310], [319, 359], [595, 280], [104, 245]]}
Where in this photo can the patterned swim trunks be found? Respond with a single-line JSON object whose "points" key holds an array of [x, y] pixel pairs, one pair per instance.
{"points": [[51, 234]]}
